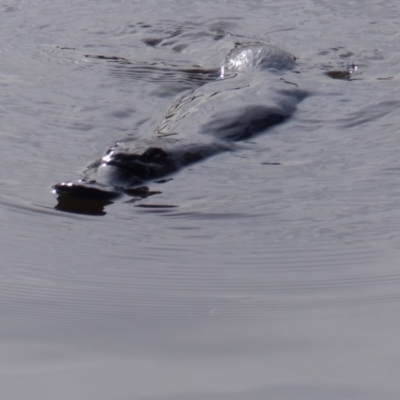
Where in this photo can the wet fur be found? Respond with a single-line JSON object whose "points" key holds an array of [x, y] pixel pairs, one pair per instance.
{"points": [[243, 102]]}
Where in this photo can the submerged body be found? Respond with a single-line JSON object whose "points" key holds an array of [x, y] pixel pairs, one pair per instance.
{"points": [[258, 55], [248, 98]]}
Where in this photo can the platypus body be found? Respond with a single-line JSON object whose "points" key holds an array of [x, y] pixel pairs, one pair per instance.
{"points": [[249, 97]]}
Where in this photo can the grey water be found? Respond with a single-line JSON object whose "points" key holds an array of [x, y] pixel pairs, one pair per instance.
{"points": [[269, 272]]}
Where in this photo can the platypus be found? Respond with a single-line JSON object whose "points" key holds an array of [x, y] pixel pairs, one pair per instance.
{"points": [[248, 97]]}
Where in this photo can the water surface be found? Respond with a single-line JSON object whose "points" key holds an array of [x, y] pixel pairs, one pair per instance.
{"points": [[274, 275]]}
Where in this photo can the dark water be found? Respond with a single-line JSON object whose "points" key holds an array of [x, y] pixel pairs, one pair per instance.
{"points": [[274, 276]]}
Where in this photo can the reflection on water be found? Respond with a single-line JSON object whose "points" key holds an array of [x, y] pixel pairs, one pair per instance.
{"points": [[78, 205], [267, 272]]}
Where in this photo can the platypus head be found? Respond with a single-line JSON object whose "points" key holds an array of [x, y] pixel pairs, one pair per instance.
{"points": [[151, 164]]}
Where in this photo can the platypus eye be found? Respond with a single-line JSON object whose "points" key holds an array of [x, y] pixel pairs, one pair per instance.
{"points": [[155, 153]]}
